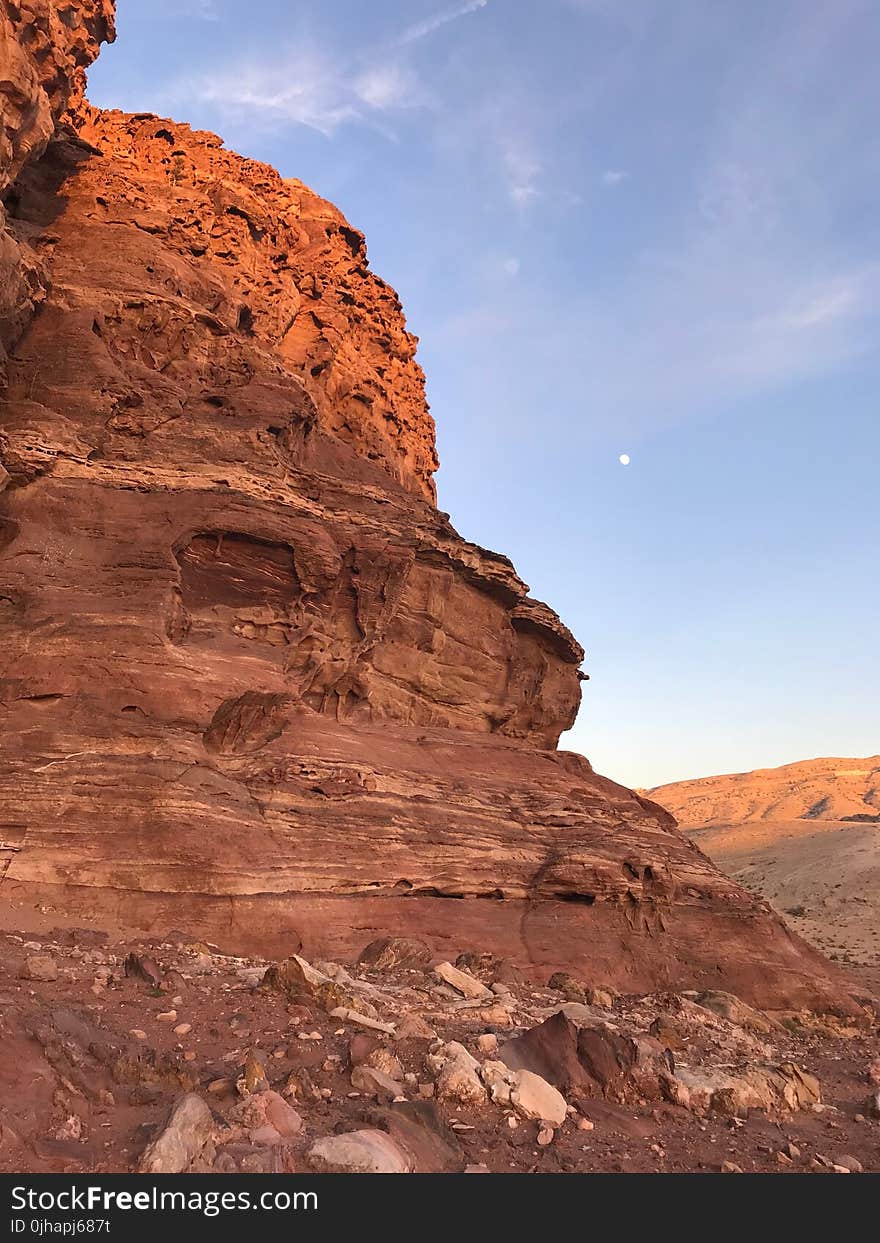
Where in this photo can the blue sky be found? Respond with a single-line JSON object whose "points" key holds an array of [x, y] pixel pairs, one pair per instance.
{"points": [[617, 226]]}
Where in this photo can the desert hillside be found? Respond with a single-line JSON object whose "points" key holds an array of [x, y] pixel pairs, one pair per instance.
{"points": [[824, 789], [823, 876], [806, 837]]}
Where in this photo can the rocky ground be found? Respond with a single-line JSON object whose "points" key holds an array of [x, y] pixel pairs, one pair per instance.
{"points": [[122, 1056]]}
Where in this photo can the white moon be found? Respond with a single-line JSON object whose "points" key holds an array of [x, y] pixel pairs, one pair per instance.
{"points": [[624, 459]]}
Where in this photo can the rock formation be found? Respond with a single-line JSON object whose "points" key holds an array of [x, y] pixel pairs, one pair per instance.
{"points": [[45, 47], [254, 685]]}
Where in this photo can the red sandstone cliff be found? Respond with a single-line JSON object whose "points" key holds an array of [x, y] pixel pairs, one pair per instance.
{"points": [[253, 683]]}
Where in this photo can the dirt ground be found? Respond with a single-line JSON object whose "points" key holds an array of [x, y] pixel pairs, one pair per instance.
{"points": [[92, 1063]]}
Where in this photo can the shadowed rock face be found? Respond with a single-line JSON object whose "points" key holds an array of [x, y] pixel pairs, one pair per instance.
{"points": [[254, 683]]}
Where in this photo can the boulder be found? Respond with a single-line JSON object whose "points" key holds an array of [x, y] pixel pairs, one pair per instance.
{"points": [[296, 977], [360, 1152], [463, 982], [499, 1080], [784, 1087], [588, 1060], [534, 1097], [418, 1127], [189, 1127], [847, 1162], [459, 1082], [267, 1117], [375, 1083], [40, 967], [388, 953], [736, 1011]]}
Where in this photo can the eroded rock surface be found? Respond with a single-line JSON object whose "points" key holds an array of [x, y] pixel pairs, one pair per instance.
{"points": [[254, 683], [45, 47]]}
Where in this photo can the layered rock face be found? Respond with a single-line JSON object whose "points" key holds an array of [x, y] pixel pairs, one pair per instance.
{"points": [[254, 684]]}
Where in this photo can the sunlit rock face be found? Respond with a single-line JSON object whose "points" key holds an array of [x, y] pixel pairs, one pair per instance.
{"points": [[45, 47], [254, 684]]}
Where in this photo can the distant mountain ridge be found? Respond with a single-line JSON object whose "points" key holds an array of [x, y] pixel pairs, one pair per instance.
{"points": [[829, 788]]}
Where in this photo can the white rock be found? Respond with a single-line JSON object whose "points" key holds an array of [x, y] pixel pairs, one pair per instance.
{"points": [[499, 1079], [454, 1049], [361, 1020], [581, 1015], [360, 1152], [451, 1051], [534, 1097], [187, 1131], [463, 983], [458, 1081]]}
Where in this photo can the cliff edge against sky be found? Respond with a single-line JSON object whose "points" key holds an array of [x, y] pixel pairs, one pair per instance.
{"points": [[254, 683]]}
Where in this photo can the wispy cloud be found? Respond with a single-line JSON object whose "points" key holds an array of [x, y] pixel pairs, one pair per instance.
{"points": [[738, 280], [303, 89], [206, 10], [421, 30], [746, 284], [386, 86], [305, 85], [522, 169], [318, 85], [313, 85]]}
